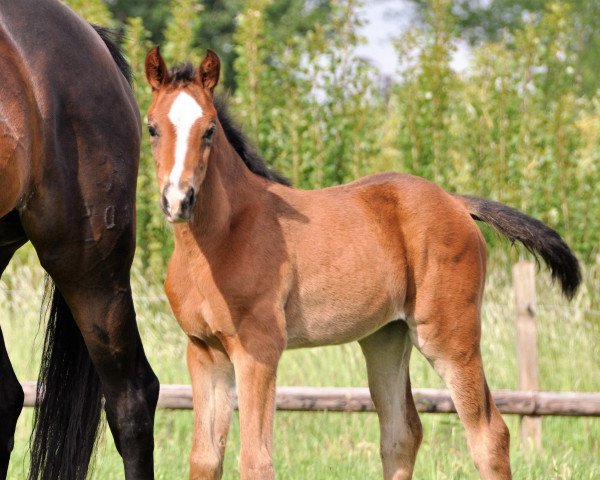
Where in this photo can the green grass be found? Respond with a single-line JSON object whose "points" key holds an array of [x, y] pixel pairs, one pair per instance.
{"points": [[336, 445]]}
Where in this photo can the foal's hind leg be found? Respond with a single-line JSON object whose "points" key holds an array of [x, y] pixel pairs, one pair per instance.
{"points": [[387, 352], [450, 341], [212, 383]]}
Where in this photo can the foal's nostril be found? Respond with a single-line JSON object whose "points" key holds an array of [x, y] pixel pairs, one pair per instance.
{"points": [[164, 202], [188, 200], [187, 203], [190, 197]]}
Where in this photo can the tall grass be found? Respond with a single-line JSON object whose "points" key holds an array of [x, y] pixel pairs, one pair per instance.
{"points": [[337, 445]]}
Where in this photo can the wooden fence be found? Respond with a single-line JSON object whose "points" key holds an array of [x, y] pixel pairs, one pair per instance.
{"points": [[426, 399], [527, 366]]}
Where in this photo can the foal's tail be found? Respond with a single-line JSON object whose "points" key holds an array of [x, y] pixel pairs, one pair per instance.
{"points": [[538, 238], [68, 404]]}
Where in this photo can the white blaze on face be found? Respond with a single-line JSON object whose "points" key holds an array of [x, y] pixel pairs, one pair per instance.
{"points": [[184, 112]]}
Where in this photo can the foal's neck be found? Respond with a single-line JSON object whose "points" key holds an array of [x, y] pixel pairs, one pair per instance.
{"points": [[228, 189]]}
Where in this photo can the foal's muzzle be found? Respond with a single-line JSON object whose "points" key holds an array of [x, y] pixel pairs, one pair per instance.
{"points": [[178, 202]]}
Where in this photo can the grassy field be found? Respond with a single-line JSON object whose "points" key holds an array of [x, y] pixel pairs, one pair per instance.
{"points": [[345, 446]]}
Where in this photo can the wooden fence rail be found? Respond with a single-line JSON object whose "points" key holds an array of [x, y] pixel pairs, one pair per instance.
{"points": [[427, 400]]}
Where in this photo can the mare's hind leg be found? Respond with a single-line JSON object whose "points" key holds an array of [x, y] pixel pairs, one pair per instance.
{"points": [[106, 319], [11, 404], [83, 230], [93, 277], [387, 352], [11, 393], [450, 341], [213, 382]]}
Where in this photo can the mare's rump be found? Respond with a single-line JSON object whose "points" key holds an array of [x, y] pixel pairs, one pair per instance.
{"points": [[15, 129]]}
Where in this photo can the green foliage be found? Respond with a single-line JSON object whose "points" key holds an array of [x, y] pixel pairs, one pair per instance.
{"points": [[310, 103], [94, 11], [153, 18], [181, 32], [484, 21], [513, 127], [286, 18], [250, 64], [425, 97]]}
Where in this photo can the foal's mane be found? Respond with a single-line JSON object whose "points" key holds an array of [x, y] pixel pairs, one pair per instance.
{"points": [[185, 74]]}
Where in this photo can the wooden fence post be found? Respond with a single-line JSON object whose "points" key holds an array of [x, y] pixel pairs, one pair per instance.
{"points": [[525, 304]]}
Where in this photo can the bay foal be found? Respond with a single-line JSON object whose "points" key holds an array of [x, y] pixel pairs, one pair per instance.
{"points": [[390, 260]]}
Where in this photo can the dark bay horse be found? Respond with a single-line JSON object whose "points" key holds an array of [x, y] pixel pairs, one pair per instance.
{"points": [[391, 261], [69, 149]]}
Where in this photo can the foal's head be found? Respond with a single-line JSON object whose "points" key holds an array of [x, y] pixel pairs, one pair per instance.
{"points": [[182, 121]]}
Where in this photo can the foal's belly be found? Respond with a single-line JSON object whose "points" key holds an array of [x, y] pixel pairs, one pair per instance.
{"points": [[320, 328], [344, 297]]}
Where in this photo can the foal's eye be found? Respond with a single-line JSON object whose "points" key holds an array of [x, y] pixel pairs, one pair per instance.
{"points": [[209, 133], [152, 131]]}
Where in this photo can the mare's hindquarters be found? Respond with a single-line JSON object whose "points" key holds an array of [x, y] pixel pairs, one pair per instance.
{"points": [[80, 217], [17, 126]]}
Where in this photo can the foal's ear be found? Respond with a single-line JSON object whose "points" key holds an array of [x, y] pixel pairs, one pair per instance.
{"points": [[157, 73], [209, 71]]}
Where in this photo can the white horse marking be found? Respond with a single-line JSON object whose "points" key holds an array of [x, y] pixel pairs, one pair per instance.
{"points": [[183, 114], [174, 196]]}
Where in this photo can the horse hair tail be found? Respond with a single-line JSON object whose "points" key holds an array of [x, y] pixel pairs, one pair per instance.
{"points": [[111, 39], [69, 399], [537, 237]]}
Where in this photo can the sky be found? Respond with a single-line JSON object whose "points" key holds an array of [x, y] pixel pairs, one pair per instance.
{"points": [[386, 19]]}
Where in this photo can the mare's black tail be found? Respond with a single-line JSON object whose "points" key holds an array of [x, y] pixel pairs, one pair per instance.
{"points": [[68, 405], [538, 238]]}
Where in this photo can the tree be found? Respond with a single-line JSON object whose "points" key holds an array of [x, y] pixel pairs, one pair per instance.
{"points": [[152, 17], [181, 32], [480, 21], [285, 18], [94, 11]]}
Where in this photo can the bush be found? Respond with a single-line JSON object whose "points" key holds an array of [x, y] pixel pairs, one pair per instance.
{"points": [[512, 127]]}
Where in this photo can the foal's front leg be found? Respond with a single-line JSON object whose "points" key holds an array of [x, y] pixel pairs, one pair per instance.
{"points": [[255, 361], [212, 378]]}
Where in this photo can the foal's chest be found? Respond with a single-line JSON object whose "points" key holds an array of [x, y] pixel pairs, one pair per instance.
{"points": [[198, 306]]}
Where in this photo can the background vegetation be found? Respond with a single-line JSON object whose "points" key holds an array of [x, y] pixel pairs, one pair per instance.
{"points": [[520, 125]]}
